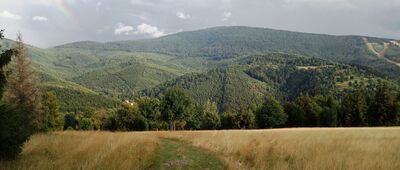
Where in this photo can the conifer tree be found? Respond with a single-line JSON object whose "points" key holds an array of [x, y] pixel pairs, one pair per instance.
{"points": [[23, 86], [354, 109], [382, 109]]}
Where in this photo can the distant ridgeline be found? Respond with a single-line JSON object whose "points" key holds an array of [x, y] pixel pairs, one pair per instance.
{"points": [[231, 66]]}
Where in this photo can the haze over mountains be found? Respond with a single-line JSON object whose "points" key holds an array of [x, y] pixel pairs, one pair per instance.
{"points": [[230, 65]]}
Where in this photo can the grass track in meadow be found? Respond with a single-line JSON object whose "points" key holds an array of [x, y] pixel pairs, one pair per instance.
{"points": [[298, 148], [175, 154]]}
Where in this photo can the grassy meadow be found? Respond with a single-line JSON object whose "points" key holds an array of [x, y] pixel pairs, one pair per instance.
{"points": [[299, 148]]}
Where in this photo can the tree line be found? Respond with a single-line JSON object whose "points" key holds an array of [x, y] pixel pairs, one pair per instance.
{"points": [[175, 110]]}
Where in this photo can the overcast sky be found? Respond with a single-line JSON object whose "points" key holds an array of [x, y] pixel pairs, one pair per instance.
{"points": [[47, 23]]}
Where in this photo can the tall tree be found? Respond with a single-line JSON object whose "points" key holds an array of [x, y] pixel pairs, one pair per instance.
{"points": [[22, 84], [244, 119], [150, 108], [296, 115], [270, 114], [5, 58], [210, 116], [53, 117], [382, 110], [354, 108], [176, 107], [14, 129], [311, 109], [329, 114]]}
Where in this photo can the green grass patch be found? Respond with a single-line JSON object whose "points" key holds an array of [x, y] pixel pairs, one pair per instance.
{"points": [[174, 154]]}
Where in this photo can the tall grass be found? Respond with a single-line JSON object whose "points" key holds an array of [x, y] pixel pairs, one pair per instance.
{"points": [[87, 150], [302, 148]]}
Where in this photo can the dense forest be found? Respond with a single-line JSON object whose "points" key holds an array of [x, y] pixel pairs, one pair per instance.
{"points": [[218, 78]]}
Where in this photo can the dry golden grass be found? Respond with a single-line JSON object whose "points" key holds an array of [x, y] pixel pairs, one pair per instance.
{"points": [[88, 150], [302, 148]]}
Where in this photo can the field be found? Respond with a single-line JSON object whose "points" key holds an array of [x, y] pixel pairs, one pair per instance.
{"points": [[302, 148]]}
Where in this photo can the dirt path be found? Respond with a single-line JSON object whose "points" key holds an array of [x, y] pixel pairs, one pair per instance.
{"points": [[174, 154]]}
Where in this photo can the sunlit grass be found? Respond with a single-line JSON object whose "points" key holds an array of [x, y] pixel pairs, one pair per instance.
{"points": [[302, 148], [319, 148]]}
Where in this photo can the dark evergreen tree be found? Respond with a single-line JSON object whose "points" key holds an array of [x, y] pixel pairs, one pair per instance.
{"points": [[296, 115], [354, 108], [15, 122], [382, 108], [270, 114], [228, 119], [329, 114]]}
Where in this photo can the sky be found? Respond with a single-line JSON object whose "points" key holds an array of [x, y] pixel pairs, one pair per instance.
{"points": [[47, 23]]}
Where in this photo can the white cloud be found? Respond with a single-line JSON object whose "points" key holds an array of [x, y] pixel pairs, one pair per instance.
{"points": [[99, 5], [9, 15], [39, 18], [227, 15], [182, 15], [141, 2], [123, 29], [148, 29]]}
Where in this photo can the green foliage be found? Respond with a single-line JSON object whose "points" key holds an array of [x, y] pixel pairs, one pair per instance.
{"points": [[210, 116], [383, 108], [72, 100], [311, 109], [243, 119], [85, 124], [129, 118], [176, 106], [224, 43], [53, 117], [354, 109], [149, 108], [15, 121], [296, 115], [270, 114], [15, 129], [329, 114]]}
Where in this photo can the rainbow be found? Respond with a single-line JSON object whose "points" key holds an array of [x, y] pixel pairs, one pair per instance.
{"points": [[63, 7]]}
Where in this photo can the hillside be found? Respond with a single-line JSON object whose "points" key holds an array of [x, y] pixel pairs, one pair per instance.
{"points": [[283, 75], [231, 42], [231, 65]]}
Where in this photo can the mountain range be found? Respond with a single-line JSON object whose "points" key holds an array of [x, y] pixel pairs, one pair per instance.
{"points": [[233, 66]]}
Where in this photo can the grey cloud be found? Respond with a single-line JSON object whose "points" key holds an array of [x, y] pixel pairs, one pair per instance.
{"points": [[97, 20]]}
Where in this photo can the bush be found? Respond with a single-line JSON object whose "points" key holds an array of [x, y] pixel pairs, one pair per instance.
{"points": [[86, 124]]}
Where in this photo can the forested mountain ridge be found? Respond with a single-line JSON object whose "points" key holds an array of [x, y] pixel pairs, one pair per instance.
{"points": [[225, 56], [230, 42], [285, 76]]}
